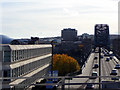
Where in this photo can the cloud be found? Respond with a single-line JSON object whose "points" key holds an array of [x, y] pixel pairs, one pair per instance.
{"points": [[47, 17]]}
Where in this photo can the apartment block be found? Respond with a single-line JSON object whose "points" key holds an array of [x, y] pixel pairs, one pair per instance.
{"points": [[19, 61]]}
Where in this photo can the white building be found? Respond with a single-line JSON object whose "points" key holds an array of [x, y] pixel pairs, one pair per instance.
{"points": [[24, 61]]}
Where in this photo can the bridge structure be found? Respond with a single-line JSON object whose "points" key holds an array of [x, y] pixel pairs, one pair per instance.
{"points": [[101, 36], [101, 39]]}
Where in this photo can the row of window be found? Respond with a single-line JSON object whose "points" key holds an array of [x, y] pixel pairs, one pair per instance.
{"points": [[31, 80], [16, 55], [29, 67], [25, 68]]}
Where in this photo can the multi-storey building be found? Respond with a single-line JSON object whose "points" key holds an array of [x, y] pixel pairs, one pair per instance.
{"points": [[24, 61], [69, 34]]}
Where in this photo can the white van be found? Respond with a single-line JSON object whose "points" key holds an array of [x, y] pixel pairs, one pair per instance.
{"points": [[94, 73]]}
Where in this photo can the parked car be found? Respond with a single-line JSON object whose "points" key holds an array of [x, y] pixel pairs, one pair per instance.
{"points": [[114, 78], [111, 57], [95, 65], [113, 72], [89, 86], [117, 66], [107, 59], [105, 54]]}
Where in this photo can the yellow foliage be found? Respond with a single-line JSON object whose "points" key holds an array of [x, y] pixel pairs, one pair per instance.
{"points": [[64, 64]]}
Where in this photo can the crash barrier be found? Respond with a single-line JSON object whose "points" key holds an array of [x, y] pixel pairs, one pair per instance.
{"points": [[61, 81]]}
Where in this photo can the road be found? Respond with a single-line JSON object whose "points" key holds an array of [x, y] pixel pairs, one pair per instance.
{"points": [[106, 68]]}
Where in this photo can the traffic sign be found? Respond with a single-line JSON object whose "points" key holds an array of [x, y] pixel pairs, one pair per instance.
{"points": [[49, 86], [55, 74]]}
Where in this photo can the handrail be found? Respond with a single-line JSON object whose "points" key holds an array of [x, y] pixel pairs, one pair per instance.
{"points": [[46, 77]]}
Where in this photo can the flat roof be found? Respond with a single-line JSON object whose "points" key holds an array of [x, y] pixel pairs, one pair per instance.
{"points": [[20, 47]]}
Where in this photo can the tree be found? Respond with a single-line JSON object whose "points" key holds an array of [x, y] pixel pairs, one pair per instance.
{"points": [[65, 64]]}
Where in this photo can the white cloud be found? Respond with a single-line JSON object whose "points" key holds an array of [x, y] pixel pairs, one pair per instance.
{"points": [[47, 17]]}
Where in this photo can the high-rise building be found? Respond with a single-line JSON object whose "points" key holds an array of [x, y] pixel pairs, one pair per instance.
{"points": [[24, 61], [69, 34]]}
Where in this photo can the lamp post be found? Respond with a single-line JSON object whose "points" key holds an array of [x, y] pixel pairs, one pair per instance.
{"points": [[99, 67], [52, 56]]}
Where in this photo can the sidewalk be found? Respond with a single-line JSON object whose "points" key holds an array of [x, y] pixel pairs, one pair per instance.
{"points": [[86, 72]]}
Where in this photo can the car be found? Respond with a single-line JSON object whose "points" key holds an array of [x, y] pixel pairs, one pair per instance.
{"points": [[117, 66], [94, 73], [108, 53], [95, 57], [114, 78], [111, 57], [107, 59], [89, 86], [113, 72], [101, 56], [95, 66], [105, 54]]}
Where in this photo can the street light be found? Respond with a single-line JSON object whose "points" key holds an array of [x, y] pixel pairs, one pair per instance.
{"points": [[52, 56]]}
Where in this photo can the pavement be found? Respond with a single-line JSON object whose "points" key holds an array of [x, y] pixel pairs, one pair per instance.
{"points": [[85, 72]]}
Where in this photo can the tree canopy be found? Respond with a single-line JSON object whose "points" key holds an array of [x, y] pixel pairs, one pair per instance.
{"points": [[64, 64]]}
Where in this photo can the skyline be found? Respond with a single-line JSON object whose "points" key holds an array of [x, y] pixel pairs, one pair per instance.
{"points": [[26, 18]]}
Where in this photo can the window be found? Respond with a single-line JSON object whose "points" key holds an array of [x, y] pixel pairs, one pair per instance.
{"points": [[17, 54], [21, 70], [7, 56], [23, 54], [12, 56], [13, 72], [16, 72], [28, 53], [20, 54], [6, 73]]}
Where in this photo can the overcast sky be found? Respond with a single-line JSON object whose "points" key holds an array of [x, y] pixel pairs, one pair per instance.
{"points": [[46, 18]]}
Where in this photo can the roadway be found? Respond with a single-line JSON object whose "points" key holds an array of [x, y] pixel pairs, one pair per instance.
{"points": [[106, 68], [85, 72]]}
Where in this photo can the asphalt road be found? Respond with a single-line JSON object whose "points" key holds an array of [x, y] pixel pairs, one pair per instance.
{"points": [[106, 68], [86, 72]]}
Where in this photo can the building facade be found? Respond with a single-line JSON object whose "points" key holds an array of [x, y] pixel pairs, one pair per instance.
{"points": [[24, 61], [69, 34]]}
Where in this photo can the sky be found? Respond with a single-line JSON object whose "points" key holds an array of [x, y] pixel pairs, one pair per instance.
{"points": [[46, 18]]}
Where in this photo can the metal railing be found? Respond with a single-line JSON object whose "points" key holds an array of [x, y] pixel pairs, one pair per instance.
{"points": [[62, 82]]}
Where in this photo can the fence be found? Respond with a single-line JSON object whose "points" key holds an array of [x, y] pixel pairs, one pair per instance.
{"points": [[61, 83]]}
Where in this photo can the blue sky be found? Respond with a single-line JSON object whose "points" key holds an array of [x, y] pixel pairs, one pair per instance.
{"points": [[46, 18]]}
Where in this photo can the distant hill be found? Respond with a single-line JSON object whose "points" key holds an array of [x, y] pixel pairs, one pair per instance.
{"points": [[5, 39]]}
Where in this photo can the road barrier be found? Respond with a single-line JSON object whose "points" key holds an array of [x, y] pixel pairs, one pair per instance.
{"points": [[62, 81]]}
